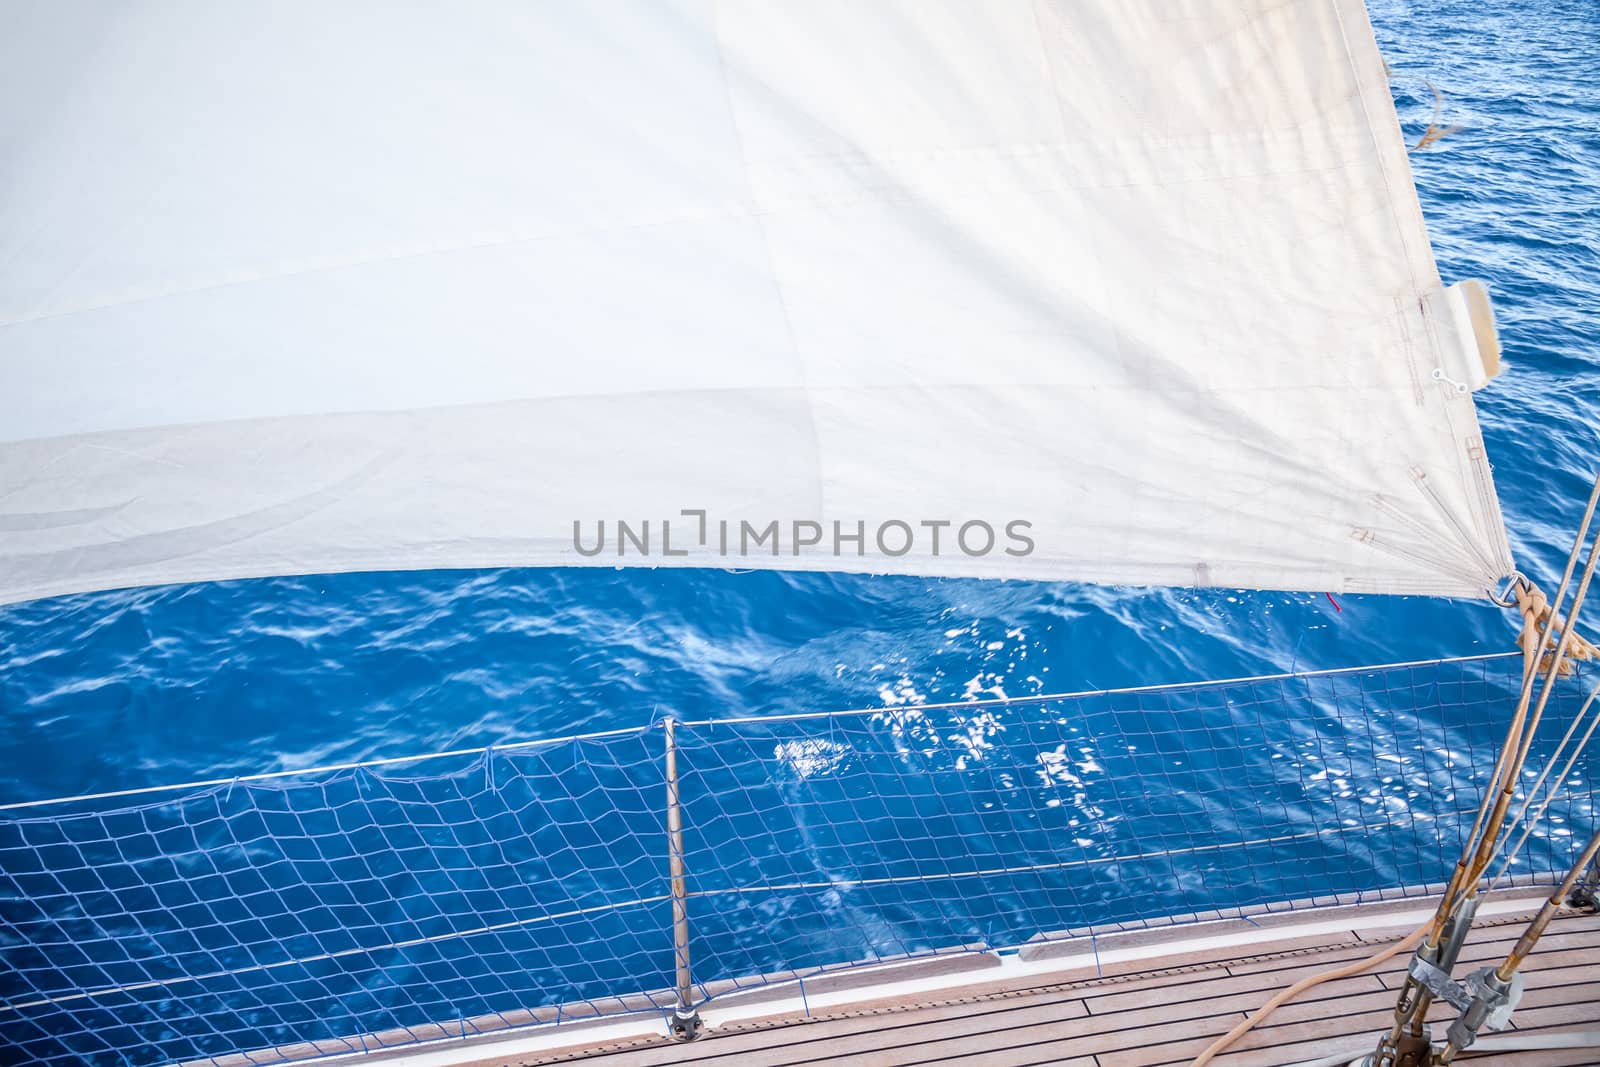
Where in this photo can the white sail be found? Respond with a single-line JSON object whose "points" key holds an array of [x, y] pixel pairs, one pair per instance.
{"points": [[1141, 286]]}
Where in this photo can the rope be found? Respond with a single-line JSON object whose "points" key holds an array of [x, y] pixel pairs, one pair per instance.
{"points": [[1541, 625], [1283, 996], [1548, 646], [1537, 617]]}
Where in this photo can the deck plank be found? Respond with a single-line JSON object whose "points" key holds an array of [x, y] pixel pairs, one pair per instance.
{"points": [[1162, 1016]]}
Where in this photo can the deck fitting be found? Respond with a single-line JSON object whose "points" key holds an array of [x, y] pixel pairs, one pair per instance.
{"points": [[686, 1025]]}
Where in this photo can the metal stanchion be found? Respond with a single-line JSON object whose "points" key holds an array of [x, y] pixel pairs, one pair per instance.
{"points": [[686, 1024]]}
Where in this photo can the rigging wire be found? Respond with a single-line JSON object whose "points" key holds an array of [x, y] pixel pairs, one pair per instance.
{"points": [[1525, 945], [1542, 620], [1534, 640], [1550, 794]]}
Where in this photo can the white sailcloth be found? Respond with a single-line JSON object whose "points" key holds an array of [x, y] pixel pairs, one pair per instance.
{"points": [[1141, 287]]}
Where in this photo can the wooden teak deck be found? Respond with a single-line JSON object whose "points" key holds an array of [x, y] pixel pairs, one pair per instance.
{"points": [[1138, 998], [1160, 998]]}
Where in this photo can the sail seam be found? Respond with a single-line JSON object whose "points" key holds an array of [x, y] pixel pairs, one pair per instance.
{"points": [[1459, 564], [1362, 93], [1486, 517], [1432, 563], [1467, 541], [1489, 504]]}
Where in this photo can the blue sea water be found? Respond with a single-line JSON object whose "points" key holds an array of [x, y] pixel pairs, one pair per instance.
{"points": [[134, 688]]}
